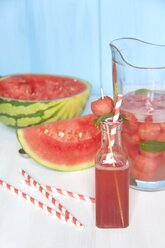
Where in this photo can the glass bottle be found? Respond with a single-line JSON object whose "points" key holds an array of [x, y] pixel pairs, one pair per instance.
{"points": [[111, 180]]}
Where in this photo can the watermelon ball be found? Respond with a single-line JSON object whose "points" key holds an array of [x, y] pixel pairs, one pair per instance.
{"points": [[102, 106]]}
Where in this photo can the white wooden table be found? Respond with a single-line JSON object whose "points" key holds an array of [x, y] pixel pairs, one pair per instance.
{"points": [[22, 225]]}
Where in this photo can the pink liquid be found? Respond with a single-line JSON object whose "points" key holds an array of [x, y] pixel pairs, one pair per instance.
{"points": [[146, 123], [112, 196]]}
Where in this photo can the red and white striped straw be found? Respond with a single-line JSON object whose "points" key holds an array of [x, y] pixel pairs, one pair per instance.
{"points": [[70, 194], [37, 203], [45, 193], [66, 193], [116, 117]]}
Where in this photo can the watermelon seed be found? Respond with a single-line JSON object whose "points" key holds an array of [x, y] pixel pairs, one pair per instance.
{"points": [[46, 131], [23, 153], [61, 134], [80, 135], [72, 88]]}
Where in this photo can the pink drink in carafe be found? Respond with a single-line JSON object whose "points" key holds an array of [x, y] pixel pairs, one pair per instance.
{"points": [[143, 134]]}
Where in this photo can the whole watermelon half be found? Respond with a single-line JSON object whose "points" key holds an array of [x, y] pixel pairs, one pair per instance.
{"points": [[30, 99], [66, 145]]}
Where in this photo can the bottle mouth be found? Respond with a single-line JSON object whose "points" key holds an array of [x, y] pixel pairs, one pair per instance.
{"points": [[137, 53]]}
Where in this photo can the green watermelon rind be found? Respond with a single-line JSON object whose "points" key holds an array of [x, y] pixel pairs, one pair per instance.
{"points": [[46, 163], [12, 111]]}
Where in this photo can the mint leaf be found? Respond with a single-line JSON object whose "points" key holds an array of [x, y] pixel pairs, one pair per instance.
{"points": [[102, 118], [109, 115], [152, 146], [123, 118], [142, 91]]}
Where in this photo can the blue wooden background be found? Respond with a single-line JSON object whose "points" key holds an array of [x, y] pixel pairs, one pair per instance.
{"points": [[71, 37]]}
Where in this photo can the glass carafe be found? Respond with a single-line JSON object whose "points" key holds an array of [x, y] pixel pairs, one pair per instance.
{"points": [[139, 75]]}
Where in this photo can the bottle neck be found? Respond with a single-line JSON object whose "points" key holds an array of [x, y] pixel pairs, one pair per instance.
{"points": [[111, 134]]}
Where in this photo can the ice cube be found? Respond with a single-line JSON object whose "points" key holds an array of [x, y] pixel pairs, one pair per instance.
{"points": [[158, 116]]}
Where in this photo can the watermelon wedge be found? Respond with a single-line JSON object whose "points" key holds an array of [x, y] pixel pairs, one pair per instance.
{"points": [[66, 145], [31, 99]]}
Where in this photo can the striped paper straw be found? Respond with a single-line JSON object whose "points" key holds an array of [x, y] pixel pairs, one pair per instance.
{"points": [[45, 193], [37, 203], [66, 193], [70, 194], [115, 118]]}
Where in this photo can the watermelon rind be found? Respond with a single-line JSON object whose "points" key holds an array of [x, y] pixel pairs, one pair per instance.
{"points": [[24, 113], [48, 164]]}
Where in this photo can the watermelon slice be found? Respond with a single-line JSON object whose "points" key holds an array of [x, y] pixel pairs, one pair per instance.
{"points": [[66, 145], [31, 99]]}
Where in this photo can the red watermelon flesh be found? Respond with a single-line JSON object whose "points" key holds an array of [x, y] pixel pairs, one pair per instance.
{"points": [[39, 87], [65, 145]]}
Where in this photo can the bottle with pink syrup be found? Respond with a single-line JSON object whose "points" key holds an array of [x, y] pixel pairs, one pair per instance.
{"points": [[139, 75], [111, 180]]}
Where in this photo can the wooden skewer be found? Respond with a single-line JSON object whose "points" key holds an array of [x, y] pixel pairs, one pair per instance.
{"points": [[102, 94]]}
